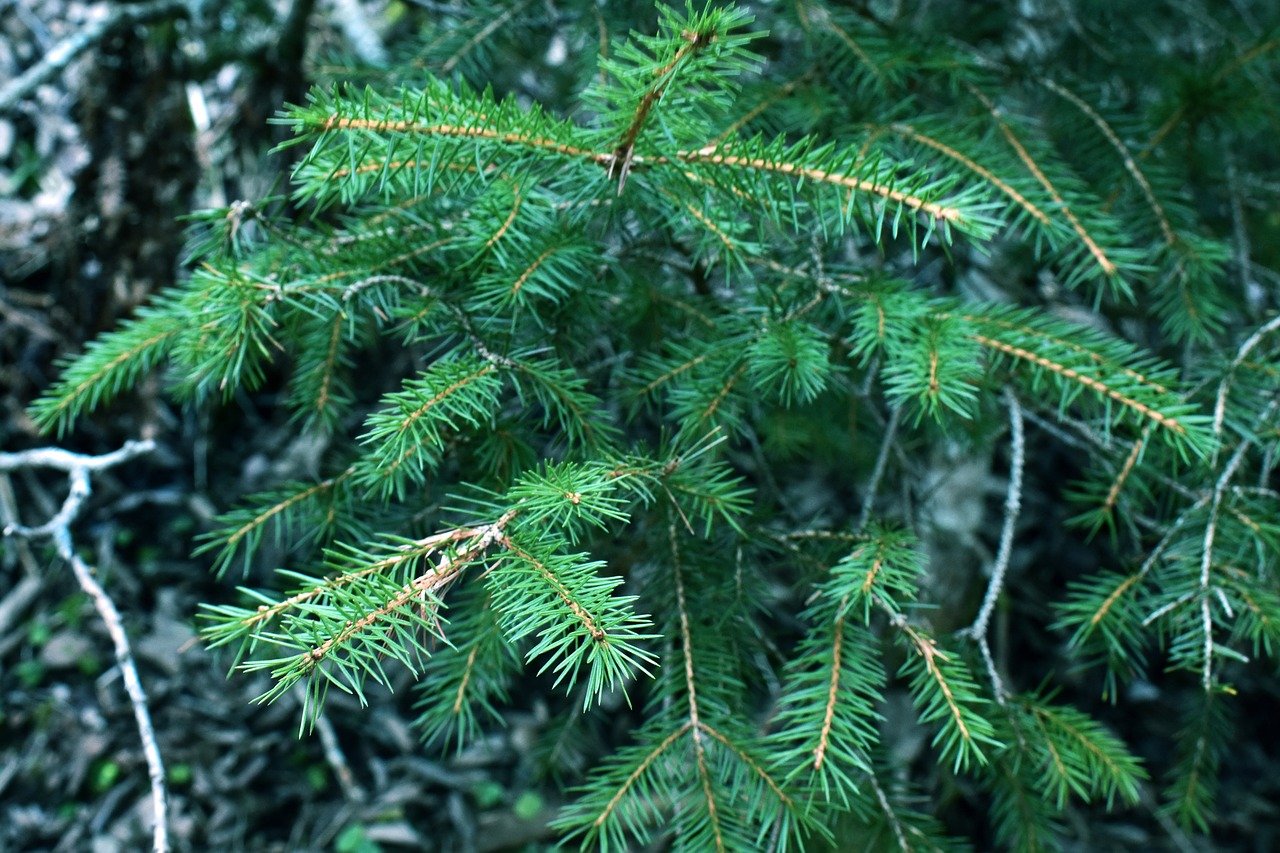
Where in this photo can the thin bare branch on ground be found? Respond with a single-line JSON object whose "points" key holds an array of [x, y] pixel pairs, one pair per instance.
{"points": [[78, 468]]}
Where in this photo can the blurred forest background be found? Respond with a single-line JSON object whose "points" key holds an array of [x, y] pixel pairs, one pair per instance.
{"points": [[162, 108]]}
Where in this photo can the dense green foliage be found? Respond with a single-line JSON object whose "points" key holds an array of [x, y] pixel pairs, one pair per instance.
{"points": [[615, 387]]}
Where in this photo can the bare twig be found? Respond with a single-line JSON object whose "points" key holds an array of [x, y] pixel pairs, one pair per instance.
{"points": [[877, 473], [58, 528], [1206, 552], [1240, 248], [133, 686], [104, 18], [65, 460], [334, 755], [1224, 388], [1012, 506], [890, 815]]}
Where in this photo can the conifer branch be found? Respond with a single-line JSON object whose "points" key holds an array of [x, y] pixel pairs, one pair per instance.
{"points": [[752, 764], [1221, 74], [637, 774], [317, 622], [927, 650], [833, 693], [979, 170], [709, 411], [1169, 422], [584, 618], [109, 366], [1203, 741], [1050, 339], [537, 143], [1110, 502], [624, 151], [1122, 150], [783, 92], [944, 692], [245, 529], [691, 688], [848, 181], [1105, 264]]}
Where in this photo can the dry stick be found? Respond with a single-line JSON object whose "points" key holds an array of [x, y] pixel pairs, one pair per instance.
{"points": [[1012, 506], [58, 529], [133, 685]]}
